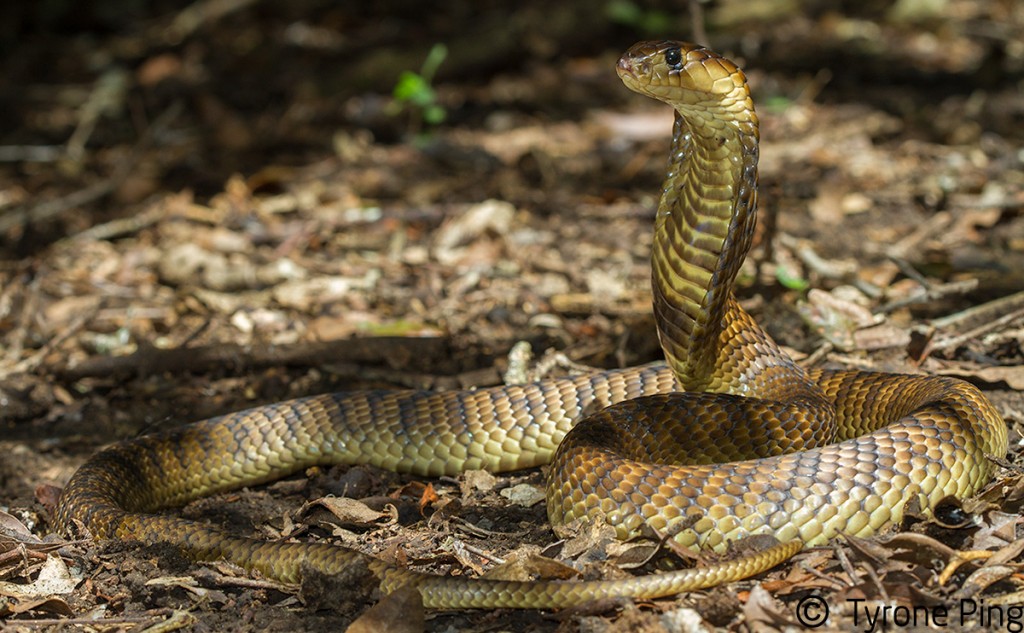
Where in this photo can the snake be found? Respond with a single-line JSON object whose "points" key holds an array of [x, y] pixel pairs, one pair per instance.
{"points": [[727, 438]]}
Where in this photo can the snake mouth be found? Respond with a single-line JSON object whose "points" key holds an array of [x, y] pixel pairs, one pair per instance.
{"points": [[625, 66], [624, 69], [633, 72]]}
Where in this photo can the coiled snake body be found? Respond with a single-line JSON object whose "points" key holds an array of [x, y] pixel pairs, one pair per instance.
{"points": [[731, 438]]}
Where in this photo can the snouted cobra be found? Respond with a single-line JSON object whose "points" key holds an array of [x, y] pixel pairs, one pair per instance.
{"points": [[728, 438]]}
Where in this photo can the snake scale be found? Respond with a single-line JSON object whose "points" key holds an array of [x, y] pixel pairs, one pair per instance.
{"points": [[728, 438]]}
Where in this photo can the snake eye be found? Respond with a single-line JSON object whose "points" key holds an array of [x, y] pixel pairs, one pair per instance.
{"points": [[674, 57]]}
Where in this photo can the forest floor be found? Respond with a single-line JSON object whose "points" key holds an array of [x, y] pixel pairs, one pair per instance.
{"points": [[203, 215]]}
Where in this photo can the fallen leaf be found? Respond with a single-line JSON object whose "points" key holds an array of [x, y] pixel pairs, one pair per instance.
{"points": [[836, 316], [428, 497], [353, 512], [1007, 554], [762, 614], [11, 526], [684, 619], [998, 529], [477, 480], [881, 336], [524, 495], [54, 579], [983, 579], [489, 216], [401, 611], [44, 605], [1012, 375], [529, 565]]}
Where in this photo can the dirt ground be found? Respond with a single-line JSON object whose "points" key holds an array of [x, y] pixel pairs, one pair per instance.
{"points": [[208, 208]]}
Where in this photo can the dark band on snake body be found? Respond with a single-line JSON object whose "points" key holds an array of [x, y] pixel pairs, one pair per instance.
{"points": [[755, 444]]}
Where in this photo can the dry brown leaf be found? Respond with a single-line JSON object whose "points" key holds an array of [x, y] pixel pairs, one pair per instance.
{"points": [[904, 546], [303, 294], [1007, 493], [12, 527], [969, 220], [589, 536], [525, 495], [428, 497], [826, 208], [58, 314], [836, 317], [998, 529], [494, 216], [525, 564], [644, 125], [1012, 375], [984, 578], [353, 512], [632, 555], [398, 612], [48, 495], [760, 612], [882, 336], [158, 68], [54, 579], [799, 578], [43, 605], [1007, 554], [477, 480]]}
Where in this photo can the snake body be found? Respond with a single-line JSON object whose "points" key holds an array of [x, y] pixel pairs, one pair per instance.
{"points": [[729, 438]]}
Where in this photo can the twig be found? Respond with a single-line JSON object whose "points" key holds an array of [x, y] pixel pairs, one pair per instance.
{"points": [[88, 621], [245, 581], [700, 35], [821, 576], [199, 14], [844, 562], [472, 549], [931, 291], [123, 226], [841, 270], [149, 360], [36, 359], [814, 357], [106, 97], [30, 153], [984, 313], [972, 323], [51, 208], [932, 226], [878, 583], [827, 268], [955, 341]]}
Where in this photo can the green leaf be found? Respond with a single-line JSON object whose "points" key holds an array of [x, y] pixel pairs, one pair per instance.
{"points": [[415, 89], [434, 114], [789, 280], [409, 86]]}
